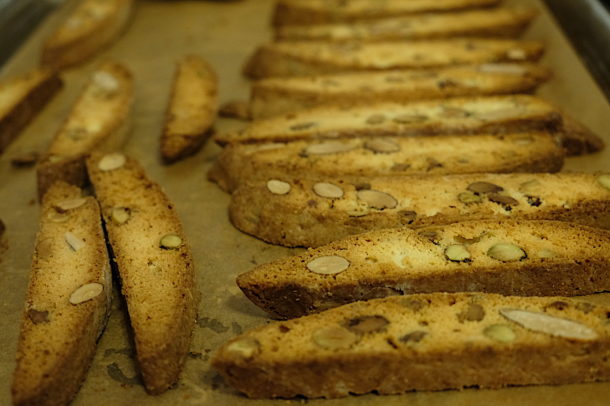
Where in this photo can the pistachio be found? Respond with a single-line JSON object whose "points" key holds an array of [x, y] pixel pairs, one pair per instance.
{"points": [[69, 204], [484, 188], [604, 181], [457, 253], [170, 242], [500, 332], [510, 69], [277, 187], [473, 312], [245, 347], [328, 190], [38, 316], [303, 126], [334, 338], [375, 119], [367, 324], [505, 201], [468, 241], [328, 265], [413, 337], [377, 200], [120, 215], [382, 146], [506, 252], [409, 118], [111, 161], [554, 326], [329, 147], [86, 292], [546, 253], [469, 198], [73, 241]]}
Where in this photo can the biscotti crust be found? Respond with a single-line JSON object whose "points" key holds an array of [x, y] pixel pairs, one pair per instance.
{"points": [[357, 160], [316, 12], [494, 22], [58, 331], [39, 87], [92, 26], [550, 258], [421, 342], [99, 119], [275, 96], [192, 109], [155, 265]]}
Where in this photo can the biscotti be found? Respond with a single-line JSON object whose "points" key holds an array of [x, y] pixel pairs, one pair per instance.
{"points": [[98, 119], [359, 159], [303, 212], [304, 58], [495, 22], [154, 262], [21, 98], [471, 115], [275, 96], [92, 26], [422, 342], [192, 109], [67, 300], [324, 11]]}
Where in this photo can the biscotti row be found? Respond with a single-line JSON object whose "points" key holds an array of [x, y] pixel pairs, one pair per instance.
{"points": [[69, 291]]}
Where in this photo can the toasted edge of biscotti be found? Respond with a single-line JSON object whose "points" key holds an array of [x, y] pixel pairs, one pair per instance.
{"points": [[192, 109], [99, 119], [155, 265], [421, 342], [90, 27], [67, 300], [35, 89]]}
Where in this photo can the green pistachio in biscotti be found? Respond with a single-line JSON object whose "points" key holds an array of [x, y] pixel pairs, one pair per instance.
{"points": [[170, 242], [506, 252], [377, 200], [604, 180], [472, 312], [457, 253], [334, 337], [120, 215], [469, 198], [500, 332]]}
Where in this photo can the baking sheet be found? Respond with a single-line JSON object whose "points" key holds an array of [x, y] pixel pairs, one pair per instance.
{"points": [[225, 33]]}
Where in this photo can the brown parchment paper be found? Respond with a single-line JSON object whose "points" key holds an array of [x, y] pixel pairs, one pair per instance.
{"points": [[225, 33]]}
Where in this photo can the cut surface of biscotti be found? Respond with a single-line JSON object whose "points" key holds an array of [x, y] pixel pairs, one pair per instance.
{"points": [[303, 58], [469, 115], [310, 213], [358, 159], [192, 109], [155, 265], [67, 300], [324, 11], [494, 22], [422, 342], [91, 26], [21, 98], [512, 257], [98, 120], [275, 96]]}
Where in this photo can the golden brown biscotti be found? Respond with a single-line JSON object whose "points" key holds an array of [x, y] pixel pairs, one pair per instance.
{"points": [[67, 301], [21, 98], [192, 109], [306, 58], [98, 120], [511, 257], [422, 342], [359, 159], [493, 22], [325, 11], [155, 265], [314, 212], [468, 115], [275, 96], [91, 26]]}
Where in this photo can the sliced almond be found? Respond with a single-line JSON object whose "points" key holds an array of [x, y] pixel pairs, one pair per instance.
{"points": [[329, 147], [245, 347], [504, 68], [382, 146], [334, 338], [544, 323], [120, 215], [73, 241], [277, 187], [111, 161], [377, 200], [457, 253], [70, 204], [86, 292], [328, 190], [500, 332], [170, 241], [604, 180], [328, 265], [506, 252]]}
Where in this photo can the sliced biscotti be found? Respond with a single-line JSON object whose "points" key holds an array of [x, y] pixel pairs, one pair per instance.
{"points": [[359, 159], [67, 300], [155, 265], [275, 96], [98, 120], [91, 26], [303, 58], [21, 98], [469, 115], [192, 109], [494, 22], [303, 212], [525, 258], [324, 11], [422, 342]]}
